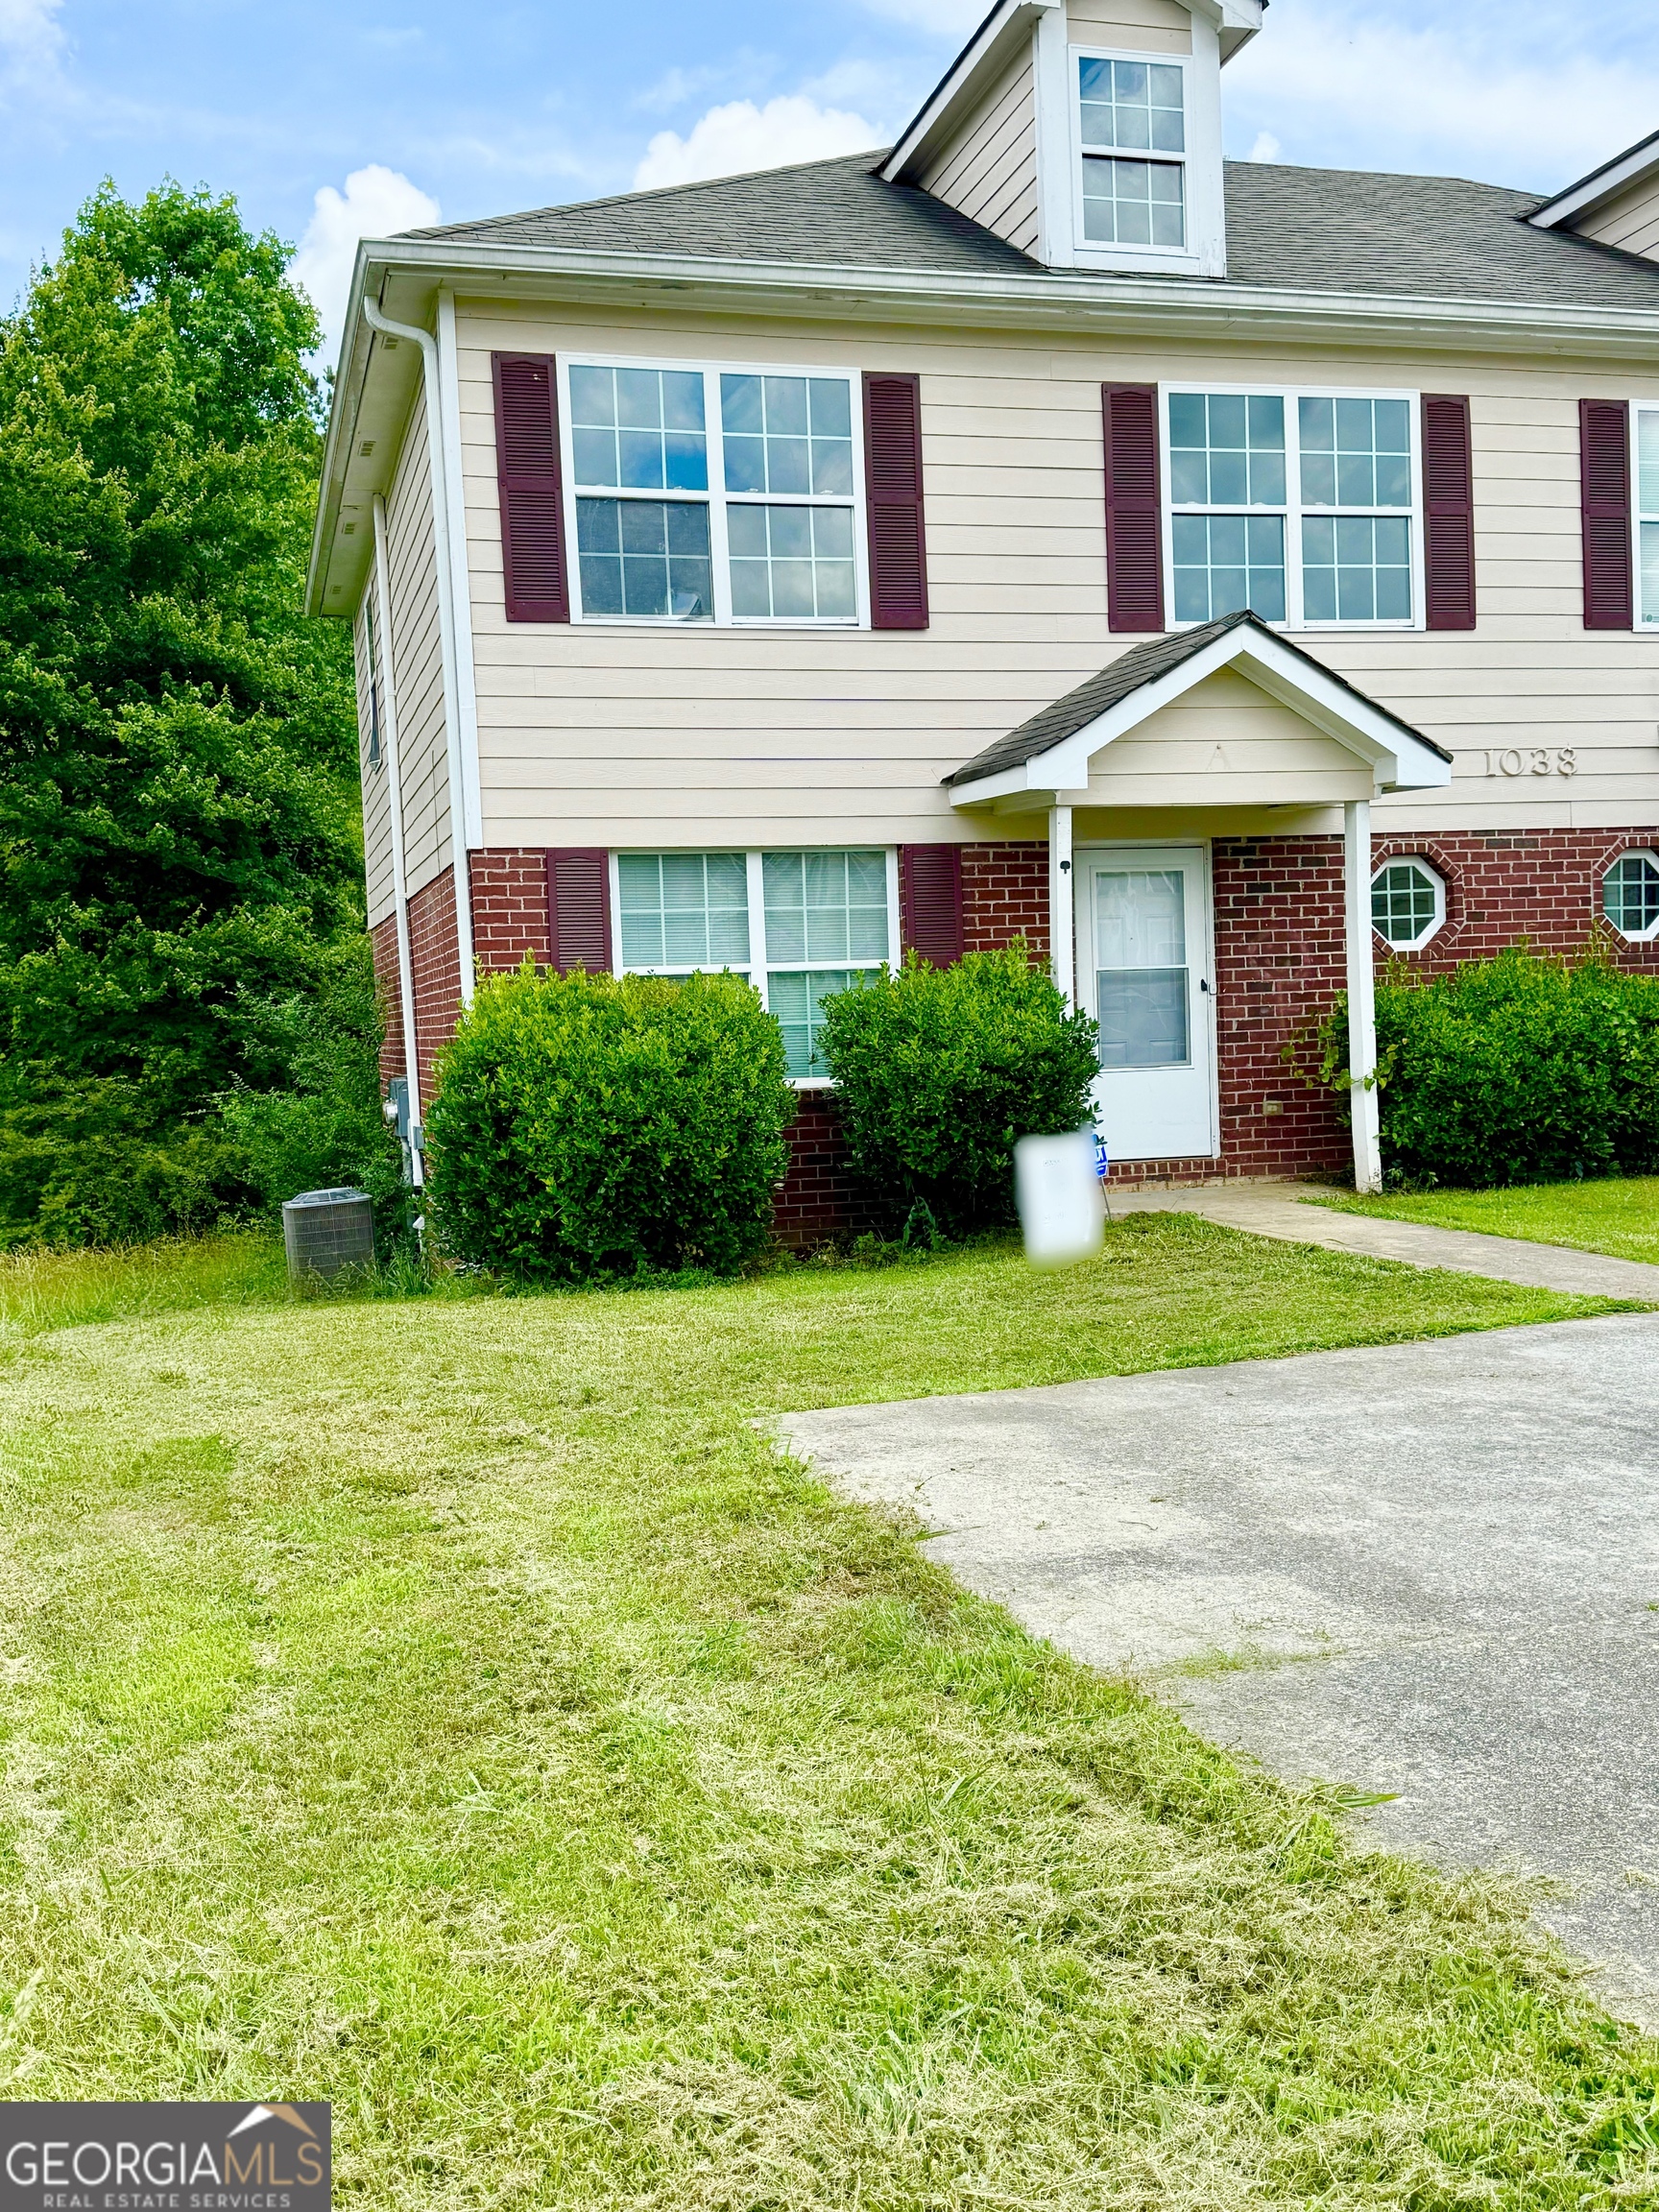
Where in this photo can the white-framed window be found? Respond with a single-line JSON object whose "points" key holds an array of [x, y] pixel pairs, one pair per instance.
{"points": [[1407, 902], [712, 493], [1130, 113], [1630, 895], [1302, 506], [798, 923], [1646, 504]]}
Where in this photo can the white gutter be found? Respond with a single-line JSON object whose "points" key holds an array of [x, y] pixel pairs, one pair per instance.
{"points": [[394, 812], [447, 638]]}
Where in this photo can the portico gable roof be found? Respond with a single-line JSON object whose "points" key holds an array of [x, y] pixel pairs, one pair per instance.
{"points": [[1050, 752]]}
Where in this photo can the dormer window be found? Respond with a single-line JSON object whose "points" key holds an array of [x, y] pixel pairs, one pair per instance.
{"points": [[1132, 136]]}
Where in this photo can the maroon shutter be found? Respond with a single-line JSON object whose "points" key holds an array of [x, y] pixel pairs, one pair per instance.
{"points": [[1134, 522], [1604, 465], [579, 909], [892, 492], [1448, 513], [531, 493], [931, 881]]}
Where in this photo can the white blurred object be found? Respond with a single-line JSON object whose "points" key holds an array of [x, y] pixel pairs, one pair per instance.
{"points": [[1062, 1209]]}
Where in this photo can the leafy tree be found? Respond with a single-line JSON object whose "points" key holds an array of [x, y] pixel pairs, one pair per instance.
{"points": [[179, 861]]}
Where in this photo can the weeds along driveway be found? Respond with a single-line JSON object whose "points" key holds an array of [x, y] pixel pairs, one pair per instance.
{"points": [[1429, 1569]]}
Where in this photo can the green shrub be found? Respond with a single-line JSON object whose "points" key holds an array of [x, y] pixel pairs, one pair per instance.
{"points": [[941, 1071], [586, 1125], [1522, 1068]]}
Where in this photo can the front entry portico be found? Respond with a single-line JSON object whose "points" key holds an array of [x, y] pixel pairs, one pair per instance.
{"points": [[1218, 733]]}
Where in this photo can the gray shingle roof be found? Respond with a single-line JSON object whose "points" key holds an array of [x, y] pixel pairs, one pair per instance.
{"points": [[1132, 672], [1318, 229]]}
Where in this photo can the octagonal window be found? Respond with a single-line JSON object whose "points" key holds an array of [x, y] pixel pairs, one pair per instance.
{"points": [[1408, 903], [1630, 895]]}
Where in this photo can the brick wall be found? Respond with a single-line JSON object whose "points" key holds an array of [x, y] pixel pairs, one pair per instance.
{"points": [[1004, 896], [1281, 958], [510, 906], [436, 961], [819, 1199], [1502, 885]]}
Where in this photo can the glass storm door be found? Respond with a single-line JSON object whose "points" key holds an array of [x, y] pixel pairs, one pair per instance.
{"points": [[1144, 950]]}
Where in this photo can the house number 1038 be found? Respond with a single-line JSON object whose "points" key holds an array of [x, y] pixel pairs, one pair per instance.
{"points": [[1533, 761]]}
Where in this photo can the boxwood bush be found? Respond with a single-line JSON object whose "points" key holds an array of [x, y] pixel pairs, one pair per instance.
{"points": [[1523, 1068], [588, 1125], [940, 1070]]}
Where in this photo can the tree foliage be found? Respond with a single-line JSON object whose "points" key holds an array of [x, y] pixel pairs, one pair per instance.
{"points": [[179, 859]]}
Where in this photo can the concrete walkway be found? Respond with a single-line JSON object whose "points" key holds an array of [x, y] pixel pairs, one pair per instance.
{"points": [[1284, 1210], [1424, 1568]]}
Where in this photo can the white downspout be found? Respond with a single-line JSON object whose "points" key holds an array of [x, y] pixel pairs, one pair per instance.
{"points": [[1361, 994], [395, 813], [459, 576], [446, 629], [1062, 906]]}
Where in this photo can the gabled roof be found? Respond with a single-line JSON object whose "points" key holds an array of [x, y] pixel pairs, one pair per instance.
{"points": [[1142, 677], [1322, 230], [1630, 167]]}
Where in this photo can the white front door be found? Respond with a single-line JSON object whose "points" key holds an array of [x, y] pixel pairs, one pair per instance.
{"points": [[1144, 961]]}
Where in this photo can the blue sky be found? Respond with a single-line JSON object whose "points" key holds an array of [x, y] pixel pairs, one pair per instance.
{"points": [[329, 118]]}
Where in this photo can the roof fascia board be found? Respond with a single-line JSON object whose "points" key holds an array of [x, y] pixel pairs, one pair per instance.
{"points": [[1144, 304], [989, 46], [1399, 760], [1601, 184]]}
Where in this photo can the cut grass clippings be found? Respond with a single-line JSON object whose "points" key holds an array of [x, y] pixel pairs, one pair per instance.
{"points": [[458, 1711], [1613, 1214]]}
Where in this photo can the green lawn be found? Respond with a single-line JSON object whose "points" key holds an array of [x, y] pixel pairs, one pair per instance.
{"points": [[454, 1707], [1619, 1216]]}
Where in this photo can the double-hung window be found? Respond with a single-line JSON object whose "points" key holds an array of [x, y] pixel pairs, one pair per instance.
{"points": [[704, 494], [799, 925], [1648, 516], [1301, 506], [1132, 116]]}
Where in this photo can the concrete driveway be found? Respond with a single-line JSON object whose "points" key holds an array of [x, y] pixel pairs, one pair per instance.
{"points": [[1436, 1568]]}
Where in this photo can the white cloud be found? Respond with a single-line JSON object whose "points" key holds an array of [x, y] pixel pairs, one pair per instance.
{"points": [[739, 136], [32, 39], [1344, 83], [377, 203], [1265, 149]]}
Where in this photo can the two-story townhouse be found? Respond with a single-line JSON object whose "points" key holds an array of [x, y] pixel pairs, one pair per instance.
{"points": [[1212, 572]]}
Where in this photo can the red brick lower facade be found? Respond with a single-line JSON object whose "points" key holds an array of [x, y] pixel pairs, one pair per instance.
{"points": [[1280, 963]]}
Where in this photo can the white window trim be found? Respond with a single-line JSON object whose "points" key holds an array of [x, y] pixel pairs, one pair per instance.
{"points": [[1439, 922], [754, 969], [1642, 618], [1096, 250], [716, 498], [1630, 936], [1293, 511]]}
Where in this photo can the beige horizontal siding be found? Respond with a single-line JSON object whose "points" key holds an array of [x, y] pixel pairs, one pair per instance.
{"points": [[418, 656], [1150, 26], [989, 171], [377, 820], [613, 735], [1629, 221]]}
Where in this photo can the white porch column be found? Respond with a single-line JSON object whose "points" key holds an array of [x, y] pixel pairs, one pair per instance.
{"points": [[1361, 994], [1062, 908]]}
